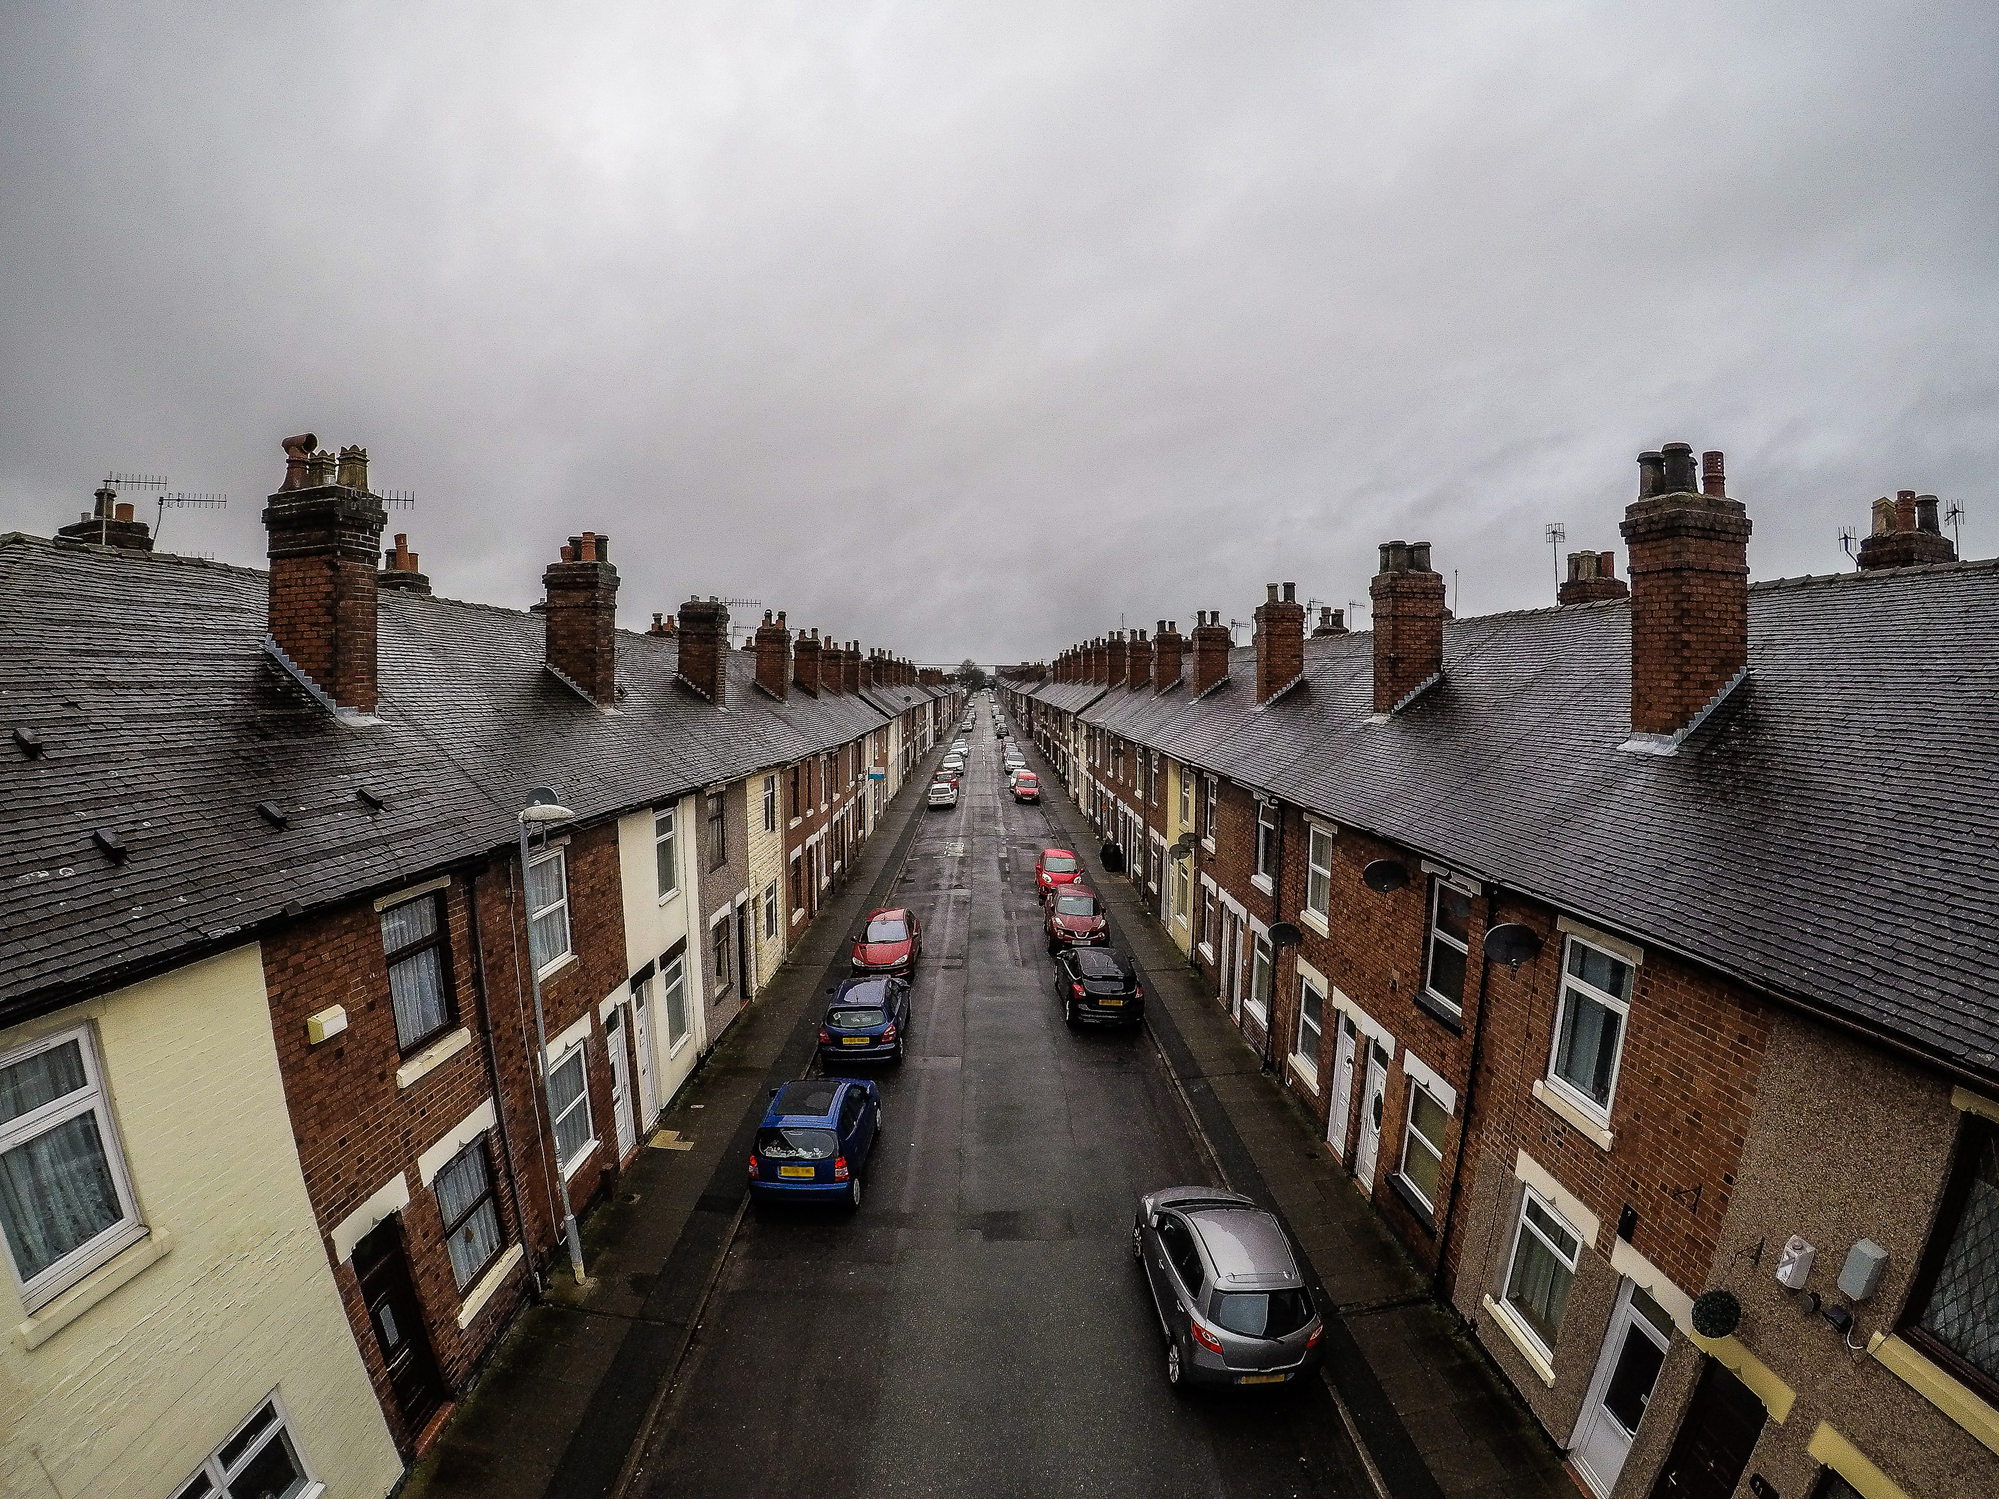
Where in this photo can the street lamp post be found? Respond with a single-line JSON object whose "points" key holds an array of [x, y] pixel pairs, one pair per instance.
{"points": [[543, 808]]}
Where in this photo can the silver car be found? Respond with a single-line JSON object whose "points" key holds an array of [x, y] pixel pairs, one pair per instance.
{"points": [[1226, 1287]]}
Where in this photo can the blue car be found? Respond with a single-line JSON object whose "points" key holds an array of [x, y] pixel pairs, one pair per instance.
{"points": [[866, 1018], [814, 1141]]}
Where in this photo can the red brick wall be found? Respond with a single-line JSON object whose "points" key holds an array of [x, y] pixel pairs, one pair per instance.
{"points": [[1689, 605], [322, 613]]}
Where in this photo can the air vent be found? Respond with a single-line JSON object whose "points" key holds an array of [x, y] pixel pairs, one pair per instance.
{"points": [[272, 813], [369, 800], [111, 845], [30, 742]]}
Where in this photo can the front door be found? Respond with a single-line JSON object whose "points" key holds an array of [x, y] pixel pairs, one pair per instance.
{"points": [[398, 1321], [1345, 1052], [1370, 1115], [1633, 1350], [621, 1082], [1715, 1440], [1231, 942], [743, 953], [642, 1043]]}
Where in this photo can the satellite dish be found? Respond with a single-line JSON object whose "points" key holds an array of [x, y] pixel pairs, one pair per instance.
{"points": [[1384, 876], [1284, 934], [1511, 943], [1183, 845], [1113, 858]]}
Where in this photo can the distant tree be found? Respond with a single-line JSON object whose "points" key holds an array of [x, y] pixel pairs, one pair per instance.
{"points": [[972, 675]]}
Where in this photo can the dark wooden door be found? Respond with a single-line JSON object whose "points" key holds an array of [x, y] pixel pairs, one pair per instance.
{"points": [[398, 1323], [1715, 1439]]}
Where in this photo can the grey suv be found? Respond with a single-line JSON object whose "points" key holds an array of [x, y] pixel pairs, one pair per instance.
{"points": [[1226, 1287]]}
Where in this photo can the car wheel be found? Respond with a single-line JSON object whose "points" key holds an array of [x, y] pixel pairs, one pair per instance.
{"points": [[1069, 1013], [1137, 1244], [1176, 1373], [897, 1059], [854, 1191]]}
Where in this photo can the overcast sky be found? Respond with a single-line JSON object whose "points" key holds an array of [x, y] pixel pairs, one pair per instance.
{"points": [[971, 329]]}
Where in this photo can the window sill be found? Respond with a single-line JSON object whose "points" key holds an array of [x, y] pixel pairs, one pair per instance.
{"points": [[576, 1161], [1947, 1394], [490, 1282], [1569, 1114], [433, 1057], [1426, 1215], [1261, 882], [1206, 950], [53, 1316], [1451, 1020], [559, 966], [1304, 1072], [1257, 1013], [1521, 1339], [1312, 921], [1208, 844], [673, 894]]}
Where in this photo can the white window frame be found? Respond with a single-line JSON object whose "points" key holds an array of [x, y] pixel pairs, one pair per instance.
{"points": [[1212, 807], [1522, 1225], [281, 1430], [91, 1098], [1410, 1134], [770, 912], [1266, 839], [1432, 935], [770, 804], [561, 858], [1309, 1064], [1183, 891], [673, 975], [1619, 1007], [1186, 798], [1317, 872], [668, 818], [1263, 959], [1152, 783], [580, 1055]]}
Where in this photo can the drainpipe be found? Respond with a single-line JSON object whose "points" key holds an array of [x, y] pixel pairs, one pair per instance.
{"points": [[1276, 915], [1471, 1086], [493, 1062]]}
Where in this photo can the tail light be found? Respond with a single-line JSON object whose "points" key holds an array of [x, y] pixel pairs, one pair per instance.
{"points": [[1138, 991], [1318, 1332], [839, 1168], [1077, 990], [824, 1039], [889, 1034], [1205, 1338], [754, 1176]]}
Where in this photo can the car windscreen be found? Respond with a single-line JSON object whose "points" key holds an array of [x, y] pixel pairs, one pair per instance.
{"points": [[888, 929], [1059, 864], [1098, 963], [856, 1020], [1263, 1314], [1075, 905], [793, 1144]]}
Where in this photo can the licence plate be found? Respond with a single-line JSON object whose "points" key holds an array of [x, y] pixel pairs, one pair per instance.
{"points": [[854, 1040], [1263, 1379], [805, 1171], [1110, 1001]]}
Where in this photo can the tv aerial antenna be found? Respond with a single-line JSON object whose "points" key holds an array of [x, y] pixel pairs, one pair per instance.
{"points": [[1554, 534], [1953, 516], [182, 501], [1849, 543], [736, 630]]}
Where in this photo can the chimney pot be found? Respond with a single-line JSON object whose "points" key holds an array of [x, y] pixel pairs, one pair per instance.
{"points": [[1884, 516], [353, 472], [123, 513], [1679, 462], [1712, 483], [1926, 514], [1290, 593], [1905, 510], [1651, 475], [1270, 593], [298, 453]]}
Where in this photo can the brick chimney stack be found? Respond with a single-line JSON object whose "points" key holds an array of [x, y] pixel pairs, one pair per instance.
{"points": [[399, 569], [1211, 650], [582, 614], [704, 646], [805, 663], [1592, 576], [1138, 662], [1116, 654], [110, 524], [850, 668], [324, 540], [1168, 651], [773, 643], [1408, 623], [829, 665], [1280, 641], [664, 624], [1689, 565], [1906, 533], [1331, 622]]}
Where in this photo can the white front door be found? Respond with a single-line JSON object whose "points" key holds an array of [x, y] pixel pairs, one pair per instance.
{"points": [[621, 1082], [1633, 1350], [1345, 1050], [642, 1043], [1371, 1103], [1230, 944]]}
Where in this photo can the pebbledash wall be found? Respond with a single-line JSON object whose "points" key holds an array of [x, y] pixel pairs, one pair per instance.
{"points": [[130, 1379]]}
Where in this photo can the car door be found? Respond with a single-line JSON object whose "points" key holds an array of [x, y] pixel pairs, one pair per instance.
{"points": [[1182, 1281], [915, 939], [902, 1007]]}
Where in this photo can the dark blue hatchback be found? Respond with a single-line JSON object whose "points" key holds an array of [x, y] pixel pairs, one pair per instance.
{"points": [[814, 1141], [866, 1018]]}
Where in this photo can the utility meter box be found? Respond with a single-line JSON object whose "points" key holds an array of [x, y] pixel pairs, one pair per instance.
{"points": [[1794, 1263], [1864, 1264]]}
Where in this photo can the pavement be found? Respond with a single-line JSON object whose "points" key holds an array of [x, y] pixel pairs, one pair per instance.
{"points": [[966, 1331]]}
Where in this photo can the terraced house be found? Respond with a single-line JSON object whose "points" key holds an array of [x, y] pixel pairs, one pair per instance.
{"points": [[1634, 955], [281, 1158]]}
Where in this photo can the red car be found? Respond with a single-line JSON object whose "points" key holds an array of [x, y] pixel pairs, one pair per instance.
{"points": [[1075, 918], [1055, 866], [890, 943], [947, 775], [1026, 788]]}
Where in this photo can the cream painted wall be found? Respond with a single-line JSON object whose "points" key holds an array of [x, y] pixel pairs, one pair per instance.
{"points": [[1180, 923], [132, 1396], [653, 924], [766, 871]]}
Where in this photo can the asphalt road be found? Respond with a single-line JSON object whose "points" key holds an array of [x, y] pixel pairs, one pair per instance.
{"points": [[979, 1326]]}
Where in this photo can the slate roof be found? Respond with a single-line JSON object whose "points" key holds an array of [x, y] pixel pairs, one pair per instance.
{"points": [[163, 721], [1827, 833]]}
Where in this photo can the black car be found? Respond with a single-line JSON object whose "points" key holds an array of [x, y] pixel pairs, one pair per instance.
{"points": [[866, 1018], [1098, 984]]}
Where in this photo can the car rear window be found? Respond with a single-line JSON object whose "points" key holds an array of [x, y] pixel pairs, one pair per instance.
{"points": [[856, 1020], [888, 929], [1075, 905], [1098, 963], [812, 1096], [1058, 864], [797, 1144], [1263, 1314]]}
